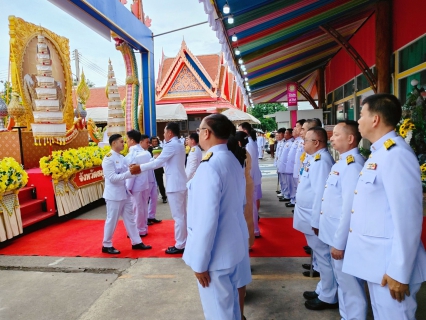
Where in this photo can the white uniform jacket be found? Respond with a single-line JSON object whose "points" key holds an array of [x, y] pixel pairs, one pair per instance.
{"points": [[289, 166], [115, 172], [217, 231], [137, 155], [386, 223], [255, 173], [278, 151], [284, 155], [337, 199], [297, 162], [310, 191], [193, 161], [172, 158]]}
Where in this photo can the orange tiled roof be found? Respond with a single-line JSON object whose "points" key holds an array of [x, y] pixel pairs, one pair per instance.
{"points": [[211, 63], [98, 97]]}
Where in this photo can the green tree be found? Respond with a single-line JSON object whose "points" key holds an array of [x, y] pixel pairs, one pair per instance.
{"points": [[262, 109]]}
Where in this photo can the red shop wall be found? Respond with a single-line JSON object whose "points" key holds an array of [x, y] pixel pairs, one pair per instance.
{"points": [[342, 68], [408, 21]]}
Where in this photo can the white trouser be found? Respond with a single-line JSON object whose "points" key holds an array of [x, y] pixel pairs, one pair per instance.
{"points": [[323, 257], [351, 292], [220, 299], [255, 216], [153, 198], [177, 203], [140, 210], [386, 308], [294, 191], [283, 184], [115, 209], [291, 187]]}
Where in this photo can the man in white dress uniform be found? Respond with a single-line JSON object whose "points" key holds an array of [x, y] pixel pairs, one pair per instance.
{"points": [[172, 158], [217, 231], [194, 156], [138, 185], [336, 215], [117, 197], [307, 212], [384, 246]]}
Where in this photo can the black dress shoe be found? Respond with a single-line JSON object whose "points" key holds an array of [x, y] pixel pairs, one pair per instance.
{"points": [[284, 200], [317, 304], [310, 295], [315, 274], [278, 192], [258, 236], [306, 247], [174, 250], [290, 205], [153, 220], [306, 266], [149, 223], [110, 250], [141, 246], [165, 200]]}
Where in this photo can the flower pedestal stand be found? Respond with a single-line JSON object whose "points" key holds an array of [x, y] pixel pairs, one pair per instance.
{"points": [[10, 216]]}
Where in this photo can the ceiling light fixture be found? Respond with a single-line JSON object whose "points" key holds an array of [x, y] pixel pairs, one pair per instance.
{"points": [[230, 19], [234, 38], [237, 51], [226, 9]]}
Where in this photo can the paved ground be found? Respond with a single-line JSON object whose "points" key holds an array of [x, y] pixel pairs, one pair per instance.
{"points": [[91, 288]]}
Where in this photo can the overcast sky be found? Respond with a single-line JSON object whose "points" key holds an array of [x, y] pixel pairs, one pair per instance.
{"points": [[166, 15]]}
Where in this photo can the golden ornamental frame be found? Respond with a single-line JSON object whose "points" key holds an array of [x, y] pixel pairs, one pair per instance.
{"points": [[21, 33]]}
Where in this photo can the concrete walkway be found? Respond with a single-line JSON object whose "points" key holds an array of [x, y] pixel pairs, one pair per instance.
{"points": [[92, 288]]}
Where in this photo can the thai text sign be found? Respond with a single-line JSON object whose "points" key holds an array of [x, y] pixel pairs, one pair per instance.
{"points": [[88, 176], [292, 95]]}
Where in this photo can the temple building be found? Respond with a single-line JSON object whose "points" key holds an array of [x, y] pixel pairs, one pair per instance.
{"points": [[202, 84]]}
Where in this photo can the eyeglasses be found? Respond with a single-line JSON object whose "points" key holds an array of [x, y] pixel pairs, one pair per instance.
{"points": [[198, 130], [312, 140]]}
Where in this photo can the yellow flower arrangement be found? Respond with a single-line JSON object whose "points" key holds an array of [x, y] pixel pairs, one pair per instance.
{"points": [[406, 126], [61, 165], [12, 175], [423, 171]]}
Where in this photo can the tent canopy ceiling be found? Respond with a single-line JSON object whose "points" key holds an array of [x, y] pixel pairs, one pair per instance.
{"points": [[280, 40], [238, 116], [171, 112]]}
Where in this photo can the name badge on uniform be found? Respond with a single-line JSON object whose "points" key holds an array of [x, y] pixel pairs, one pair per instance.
{"points": [[336, 173], [372, 166]]}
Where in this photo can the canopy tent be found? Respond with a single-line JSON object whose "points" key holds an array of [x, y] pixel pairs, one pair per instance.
{"points": [[281, 41], [238, 116], [97, 114], [171, 112]]}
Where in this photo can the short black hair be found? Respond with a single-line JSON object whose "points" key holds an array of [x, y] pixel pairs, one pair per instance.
{"points": [[272, 135], [220, 125], [290, 130], [174, 128], [153, 137], [114, 137], [194, 136], [320, 133], [281, 130], [135, 135], [351, 127], [301, 121], [311, 123], [246, 126], [144, 136], [386, 105]]}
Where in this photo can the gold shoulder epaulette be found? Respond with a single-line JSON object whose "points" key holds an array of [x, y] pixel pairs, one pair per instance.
{"points": [[207, 156], [303, 156], [389, 144], [350, 159], [317, 157], [193, 149], [109, 154]]}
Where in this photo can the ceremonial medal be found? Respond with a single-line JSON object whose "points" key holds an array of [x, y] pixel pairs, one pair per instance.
{"points": [[336, 173], [372, 166]]}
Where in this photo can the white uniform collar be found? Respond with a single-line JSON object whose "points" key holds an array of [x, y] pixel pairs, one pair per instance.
{"points": [[379, 143], [218, 147], [352, 151]]}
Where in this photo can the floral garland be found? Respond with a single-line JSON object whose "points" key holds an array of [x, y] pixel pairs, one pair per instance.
{"points": [[423, 171], [406, 130], [12, 176], [62, 165]]}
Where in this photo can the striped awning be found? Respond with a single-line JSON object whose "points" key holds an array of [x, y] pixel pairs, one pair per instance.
{"points": [[280, 40]]}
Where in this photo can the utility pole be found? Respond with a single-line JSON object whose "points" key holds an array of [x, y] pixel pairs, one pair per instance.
{"points": [[77, 66]]}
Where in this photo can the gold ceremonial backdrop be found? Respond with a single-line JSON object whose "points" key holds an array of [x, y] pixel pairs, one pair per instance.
{"points": [[23, 41]]}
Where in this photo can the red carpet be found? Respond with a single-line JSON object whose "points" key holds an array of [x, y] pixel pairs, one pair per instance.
{"points": [[83, 238]]}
